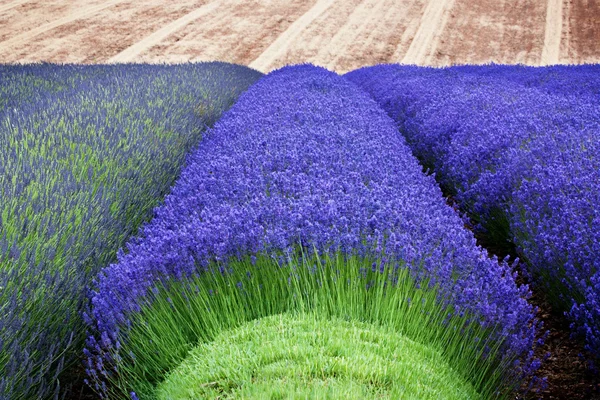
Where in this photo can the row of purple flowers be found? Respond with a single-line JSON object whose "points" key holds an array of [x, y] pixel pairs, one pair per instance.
{"points": [[306, 157], [518, 148]]}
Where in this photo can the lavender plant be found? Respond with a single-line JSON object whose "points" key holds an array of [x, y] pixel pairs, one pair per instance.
{"points": [[21, 84], [306, 157], [517, 147], [85, 154]]}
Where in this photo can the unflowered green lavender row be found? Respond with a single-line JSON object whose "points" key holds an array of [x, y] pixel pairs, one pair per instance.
{"points": [[80, 170], [520, 154], [32, 83], [306, 157]]}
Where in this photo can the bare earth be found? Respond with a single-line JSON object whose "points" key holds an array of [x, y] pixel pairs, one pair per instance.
{"points": [[339, 34]]}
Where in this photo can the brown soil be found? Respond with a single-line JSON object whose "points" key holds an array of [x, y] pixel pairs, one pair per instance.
{"points": [[376, 32], [502, 31], [566, 373], [237, 32], [339, 34], [583, 32], [314, 29], [431, 27]]}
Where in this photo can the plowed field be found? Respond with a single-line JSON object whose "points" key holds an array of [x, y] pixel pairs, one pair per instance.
{"points": [[339, 34]]}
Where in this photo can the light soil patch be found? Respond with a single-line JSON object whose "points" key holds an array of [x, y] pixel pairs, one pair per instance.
{"points": [[102, 35], [130, 53], [311, 41], [281, 44], [552, 37], [237, 32], [412, 26], [372, 34], [365, 11], [426, 39], [19, 17]]}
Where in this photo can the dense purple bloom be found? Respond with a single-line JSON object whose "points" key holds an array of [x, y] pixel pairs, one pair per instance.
{"points": [[518, 148], [582, 81], [305, 156]]}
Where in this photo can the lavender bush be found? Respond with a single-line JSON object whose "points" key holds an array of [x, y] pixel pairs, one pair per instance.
{"points": [[518, 148], [86, 152], [306, 157]]}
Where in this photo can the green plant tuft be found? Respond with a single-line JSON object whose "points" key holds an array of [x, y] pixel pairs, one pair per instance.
{"points": [[183, 319], [304, 356]]}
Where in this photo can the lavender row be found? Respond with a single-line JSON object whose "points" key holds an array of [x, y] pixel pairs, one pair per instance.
{"points": [[306, 157], [520, 154], [579, 82], [85, 154]]}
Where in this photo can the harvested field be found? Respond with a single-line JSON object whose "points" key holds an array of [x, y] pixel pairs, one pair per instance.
{"points": [[340, 35]]}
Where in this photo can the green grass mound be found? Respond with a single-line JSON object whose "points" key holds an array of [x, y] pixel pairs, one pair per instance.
{"points": [[306, 356]]}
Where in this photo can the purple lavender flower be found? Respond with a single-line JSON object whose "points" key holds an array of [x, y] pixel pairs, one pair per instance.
{"points": [[306, 157]]}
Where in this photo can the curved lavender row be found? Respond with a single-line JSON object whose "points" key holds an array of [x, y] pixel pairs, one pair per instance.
{"points": [[306, 156], [556, 222], [586, 316], [518, 158]]}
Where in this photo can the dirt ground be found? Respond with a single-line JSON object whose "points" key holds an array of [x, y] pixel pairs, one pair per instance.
{"points": [[339, 34]]}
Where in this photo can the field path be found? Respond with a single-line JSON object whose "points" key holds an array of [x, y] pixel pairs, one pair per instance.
{"points": [[12, 5], [553, 33], [278, 47], [375, 32], [82, 13], [425, 41], [130, 53], [405, 40]]}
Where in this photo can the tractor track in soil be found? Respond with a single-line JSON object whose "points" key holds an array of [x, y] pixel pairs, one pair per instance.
{"points": [[339, 34]]}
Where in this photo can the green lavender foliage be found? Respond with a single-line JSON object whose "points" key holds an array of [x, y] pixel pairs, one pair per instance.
{"points": [[22, 84], [181, 317], [86, 153], [306, 356]]}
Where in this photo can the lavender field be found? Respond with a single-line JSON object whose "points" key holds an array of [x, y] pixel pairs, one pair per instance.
{"points": [[205, 231]]}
